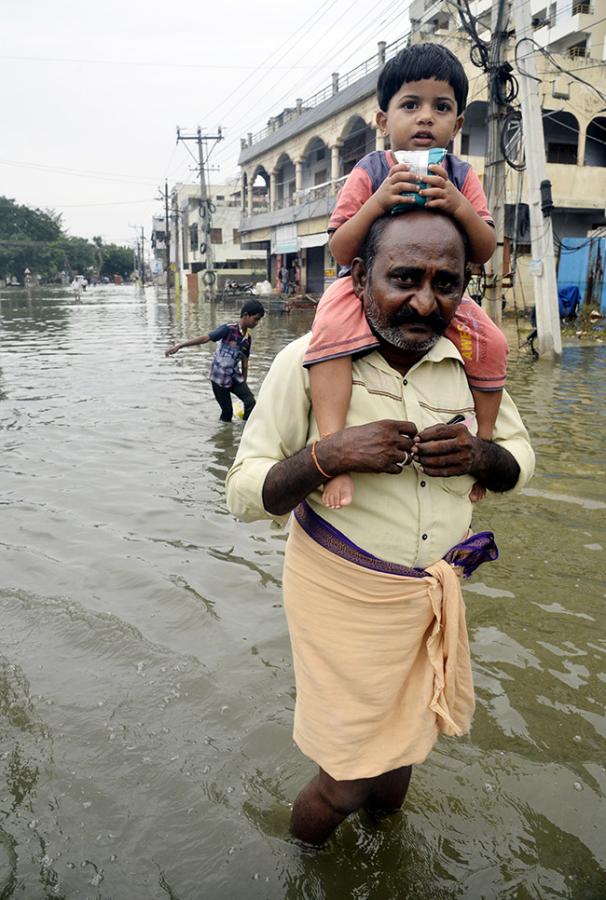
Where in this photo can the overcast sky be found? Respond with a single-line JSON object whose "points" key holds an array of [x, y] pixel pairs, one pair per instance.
{"points": [[93, 91]]}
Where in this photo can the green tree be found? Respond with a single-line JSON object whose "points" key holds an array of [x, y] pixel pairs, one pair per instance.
{"points": [[26, 238], [35, 239], [112, 259], [80, 254], [117, 260]]}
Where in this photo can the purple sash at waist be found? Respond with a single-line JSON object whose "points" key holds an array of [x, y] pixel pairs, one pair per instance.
{"points": [[468, 555]]}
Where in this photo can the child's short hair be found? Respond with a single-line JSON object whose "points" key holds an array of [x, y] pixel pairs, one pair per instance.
{"points": [[252, 308], [418, 62]]}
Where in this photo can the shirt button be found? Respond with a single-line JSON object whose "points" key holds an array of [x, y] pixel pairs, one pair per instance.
{"points": [[423, 483], [405, 381], [424, 537]]}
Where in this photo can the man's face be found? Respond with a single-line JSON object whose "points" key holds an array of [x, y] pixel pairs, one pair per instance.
{"points": [[416, 281], [422, 114]]}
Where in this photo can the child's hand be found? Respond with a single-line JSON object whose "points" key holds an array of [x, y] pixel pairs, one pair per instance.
{"points": [[400, 179], [440, 192]]}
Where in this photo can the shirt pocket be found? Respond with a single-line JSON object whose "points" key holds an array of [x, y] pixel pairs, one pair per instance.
{"points": [[458, 485]]}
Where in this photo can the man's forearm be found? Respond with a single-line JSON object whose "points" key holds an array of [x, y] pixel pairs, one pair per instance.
{"points": [[382, 446], [494, 467], [290, 481]]}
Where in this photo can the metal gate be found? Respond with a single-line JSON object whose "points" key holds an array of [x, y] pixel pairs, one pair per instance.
{"points": [[315, 270]]}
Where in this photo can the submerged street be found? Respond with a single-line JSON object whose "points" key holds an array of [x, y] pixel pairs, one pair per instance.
{"points": [[146, 687]]}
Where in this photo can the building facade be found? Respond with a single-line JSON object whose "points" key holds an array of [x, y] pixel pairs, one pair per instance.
{"points": [[292, 170], [190, 234]]}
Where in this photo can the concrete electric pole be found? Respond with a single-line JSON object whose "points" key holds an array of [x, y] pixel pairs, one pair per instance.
{"points": [[164, 197], [205, 201], [495, 172], [177, 245], [542, 265], [139, 253]]}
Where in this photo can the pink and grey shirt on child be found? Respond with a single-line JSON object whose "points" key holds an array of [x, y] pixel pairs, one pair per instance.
{"points": [[366, 177]]}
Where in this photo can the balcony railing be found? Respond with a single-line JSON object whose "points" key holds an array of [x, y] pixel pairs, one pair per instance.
{"points": [[369, 65], [317, 191]]}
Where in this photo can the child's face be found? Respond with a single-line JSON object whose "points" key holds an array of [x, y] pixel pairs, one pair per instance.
{"points": [[421, 115], [250, 321]]}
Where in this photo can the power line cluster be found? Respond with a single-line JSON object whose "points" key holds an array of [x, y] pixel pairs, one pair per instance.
{"points": [[503, 91], [376, 19], [503, 85]]}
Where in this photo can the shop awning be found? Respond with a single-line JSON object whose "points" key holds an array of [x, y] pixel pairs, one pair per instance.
{"points": [[313, 240], [284, 247]]}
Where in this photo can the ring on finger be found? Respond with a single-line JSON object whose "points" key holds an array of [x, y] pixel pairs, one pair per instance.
{"points": [[404, 462]]}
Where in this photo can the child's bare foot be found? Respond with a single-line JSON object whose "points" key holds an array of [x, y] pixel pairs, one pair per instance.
{"points": [[477, 493], [338, 492]]}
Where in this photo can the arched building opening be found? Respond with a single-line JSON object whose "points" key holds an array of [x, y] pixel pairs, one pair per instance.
{"points": [[595, 142], [316, 164], [260, 189], [285, 181], [358, 140], [561, 134]]}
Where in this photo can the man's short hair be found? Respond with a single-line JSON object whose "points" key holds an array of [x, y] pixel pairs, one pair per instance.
{"points": [[368, 250], [417, 63], [252, 308]]}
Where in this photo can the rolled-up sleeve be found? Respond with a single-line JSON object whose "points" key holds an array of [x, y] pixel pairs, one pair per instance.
{"points": [[511, 434], [277, 429]]}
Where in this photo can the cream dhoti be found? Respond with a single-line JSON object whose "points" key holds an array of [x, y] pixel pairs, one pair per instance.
{"points": [[381, 659]]}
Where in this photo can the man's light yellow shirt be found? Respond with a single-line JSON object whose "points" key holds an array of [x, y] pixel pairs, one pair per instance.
{"points": [[409, 518]]}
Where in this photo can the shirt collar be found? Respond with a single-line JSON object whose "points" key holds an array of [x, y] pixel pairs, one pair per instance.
{"points": [[441, 350]]}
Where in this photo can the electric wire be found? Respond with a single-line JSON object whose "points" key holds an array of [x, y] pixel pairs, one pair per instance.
{"points": [[502, 83], [358, 26]]}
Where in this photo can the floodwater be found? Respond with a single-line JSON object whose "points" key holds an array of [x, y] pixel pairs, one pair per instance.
{"points": [[146, 688]]}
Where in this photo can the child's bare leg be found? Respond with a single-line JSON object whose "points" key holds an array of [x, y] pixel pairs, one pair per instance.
{"points": [[487, 405], [330, 383]]}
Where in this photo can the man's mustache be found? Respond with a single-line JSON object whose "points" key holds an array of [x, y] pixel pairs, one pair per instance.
{"points": [[408, 316]]}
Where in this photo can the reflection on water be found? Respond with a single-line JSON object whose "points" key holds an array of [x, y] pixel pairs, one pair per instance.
{"points": [[146, 688]]}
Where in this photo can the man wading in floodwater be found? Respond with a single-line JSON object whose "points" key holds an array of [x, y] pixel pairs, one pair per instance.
{"points": [[371, 591]]}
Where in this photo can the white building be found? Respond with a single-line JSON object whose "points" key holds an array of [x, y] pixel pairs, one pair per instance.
{"points": [[571, 28], [189, 237]]}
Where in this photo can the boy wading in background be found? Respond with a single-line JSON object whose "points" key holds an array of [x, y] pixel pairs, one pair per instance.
{"points": [[229, 367]]}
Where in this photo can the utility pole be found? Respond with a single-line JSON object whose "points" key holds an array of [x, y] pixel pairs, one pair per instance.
{"points": [[495, 170], [164, 195], [177, 245], [142, 256], [539, 193], [139, 253], [205, 206]]}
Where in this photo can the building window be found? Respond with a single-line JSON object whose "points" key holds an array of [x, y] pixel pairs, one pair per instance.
{"points": [[464, 145], [216, 236], [220, 197], [193, 238], [321, 177], [235, 236], [562, 153], [578, 50], [581, 9]]}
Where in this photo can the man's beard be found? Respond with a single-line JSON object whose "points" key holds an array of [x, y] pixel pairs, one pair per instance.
{"points": [[389, 329]]}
